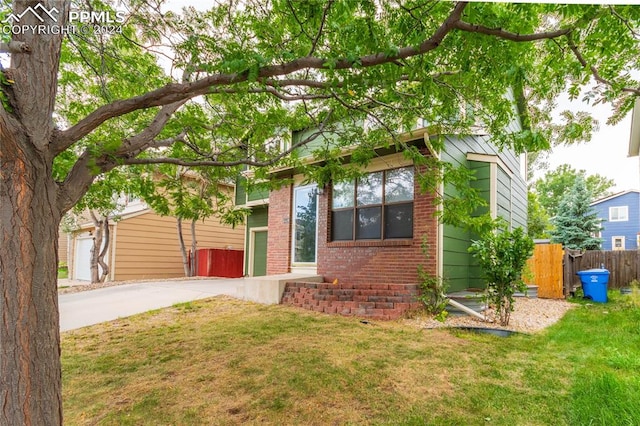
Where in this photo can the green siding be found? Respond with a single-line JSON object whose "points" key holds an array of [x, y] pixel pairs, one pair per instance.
{"points": [[258, 194], [482, 184], [504, 195], [455, 257], [459, 268], [241, 193], [307, 150], [518, 202], [255, 193], [259, 217]]}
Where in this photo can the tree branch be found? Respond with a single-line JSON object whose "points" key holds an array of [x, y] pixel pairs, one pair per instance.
{"points": [[624, 21], [274, 92], [181, 92], [549, 35], [325, 12], [594, 71], [500, 33], [85, 169], [169, 141], [245, 161], [15, 47], [295, 16], [141, 141]]}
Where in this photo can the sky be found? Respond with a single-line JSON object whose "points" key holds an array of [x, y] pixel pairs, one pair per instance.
{"points": [[607, 152]]}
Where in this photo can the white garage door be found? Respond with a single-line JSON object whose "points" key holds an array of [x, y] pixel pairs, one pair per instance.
{"points": [[83, 259]]}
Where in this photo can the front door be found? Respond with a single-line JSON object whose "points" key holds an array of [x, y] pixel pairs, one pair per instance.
{"points": [[258, 253]]}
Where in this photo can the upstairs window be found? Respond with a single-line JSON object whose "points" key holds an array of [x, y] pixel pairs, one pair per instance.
{"points": [[619, 214], [377, 206]]}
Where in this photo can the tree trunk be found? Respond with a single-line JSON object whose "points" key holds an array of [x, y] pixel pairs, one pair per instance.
{"points": [[194, 246], [30, 371], [183, 249], [100, 247], [95, 248], [30, 213], [104, 265]]}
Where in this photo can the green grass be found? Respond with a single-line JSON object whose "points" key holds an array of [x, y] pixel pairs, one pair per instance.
{"points": [[226, 362], [63, 272]]}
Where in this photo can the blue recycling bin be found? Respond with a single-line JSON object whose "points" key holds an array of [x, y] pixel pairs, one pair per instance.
{"points": [[594, 284]]}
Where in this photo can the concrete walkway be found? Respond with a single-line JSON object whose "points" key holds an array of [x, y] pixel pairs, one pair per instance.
{"points": [[107, 304]]}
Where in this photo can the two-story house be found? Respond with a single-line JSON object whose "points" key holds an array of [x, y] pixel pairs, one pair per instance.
{"points": [[363, 238], [620, 214]]}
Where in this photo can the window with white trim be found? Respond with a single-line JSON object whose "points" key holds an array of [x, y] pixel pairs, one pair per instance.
{"points": [[619, 214], [305, 224], [617, 243], [377, 206]]}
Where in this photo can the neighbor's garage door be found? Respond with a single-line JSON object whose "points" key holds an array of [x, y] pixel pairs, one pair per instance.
{"points": [[82, 270]]}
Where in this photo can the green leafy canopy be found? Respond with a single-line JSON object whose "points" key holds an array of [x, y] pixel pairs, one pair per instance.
{"points": [[264, 70]]}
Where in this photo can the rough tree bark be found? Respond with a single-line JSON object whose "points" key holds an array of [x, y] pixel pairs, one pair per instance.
{"points": [[30, 379], [30, 213]]}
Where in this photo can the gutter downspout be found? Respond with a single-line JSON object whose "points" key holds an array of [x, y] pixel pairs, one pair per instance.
{"points": [[466, 310]]}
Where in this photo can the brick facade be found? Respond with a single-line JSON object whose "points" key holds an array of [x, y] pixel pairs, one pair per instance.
{"points": [[279, 236], [375, 301], [375, 279], [380, 262]]}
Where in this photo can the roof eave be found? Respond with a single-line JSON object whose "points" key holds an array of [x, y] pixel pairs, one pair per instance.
{"points": [[421, 134], [612, 196]]}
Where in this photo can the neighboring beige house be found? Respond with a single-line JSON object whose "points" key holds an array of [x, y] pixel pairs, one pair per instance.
{"points": [[63, 247], [144, 245]]}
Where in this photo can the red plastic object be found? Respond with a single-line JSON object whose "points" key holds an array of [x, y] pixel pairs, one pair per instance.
{"points": [[219, 263]]}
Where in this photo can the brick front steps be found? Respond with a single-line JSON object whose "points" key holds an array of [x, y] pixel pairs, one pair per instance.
{"points": [[372, 301]]}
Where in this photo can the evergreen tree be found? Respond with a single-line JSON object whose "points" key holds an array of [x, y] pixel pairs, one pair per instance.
{"points": [[576, 222], [551, 188]]}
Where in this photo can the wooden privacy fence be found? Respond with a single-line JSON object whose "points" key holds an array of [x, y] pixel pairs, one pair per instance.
{"points": [[554, 269], [546, 267], [622, 266]]}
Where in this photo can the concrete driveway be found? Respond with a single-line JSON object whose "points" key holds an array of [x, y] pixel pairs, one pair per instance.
{"points": [[107, 304]]}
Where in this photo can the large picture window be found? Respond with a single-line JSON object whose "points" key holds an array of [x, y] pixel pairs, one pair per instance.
{"points": [[376, 206]]}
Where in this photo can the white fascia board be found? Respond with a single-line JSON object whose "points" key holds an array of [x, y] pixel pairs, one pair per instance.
{"points": [[634, 138]]}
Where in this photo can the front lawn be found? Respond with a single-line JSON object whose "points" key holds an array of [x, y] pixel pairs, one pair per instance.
{"points": [[229, 362], [63, 272]]}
